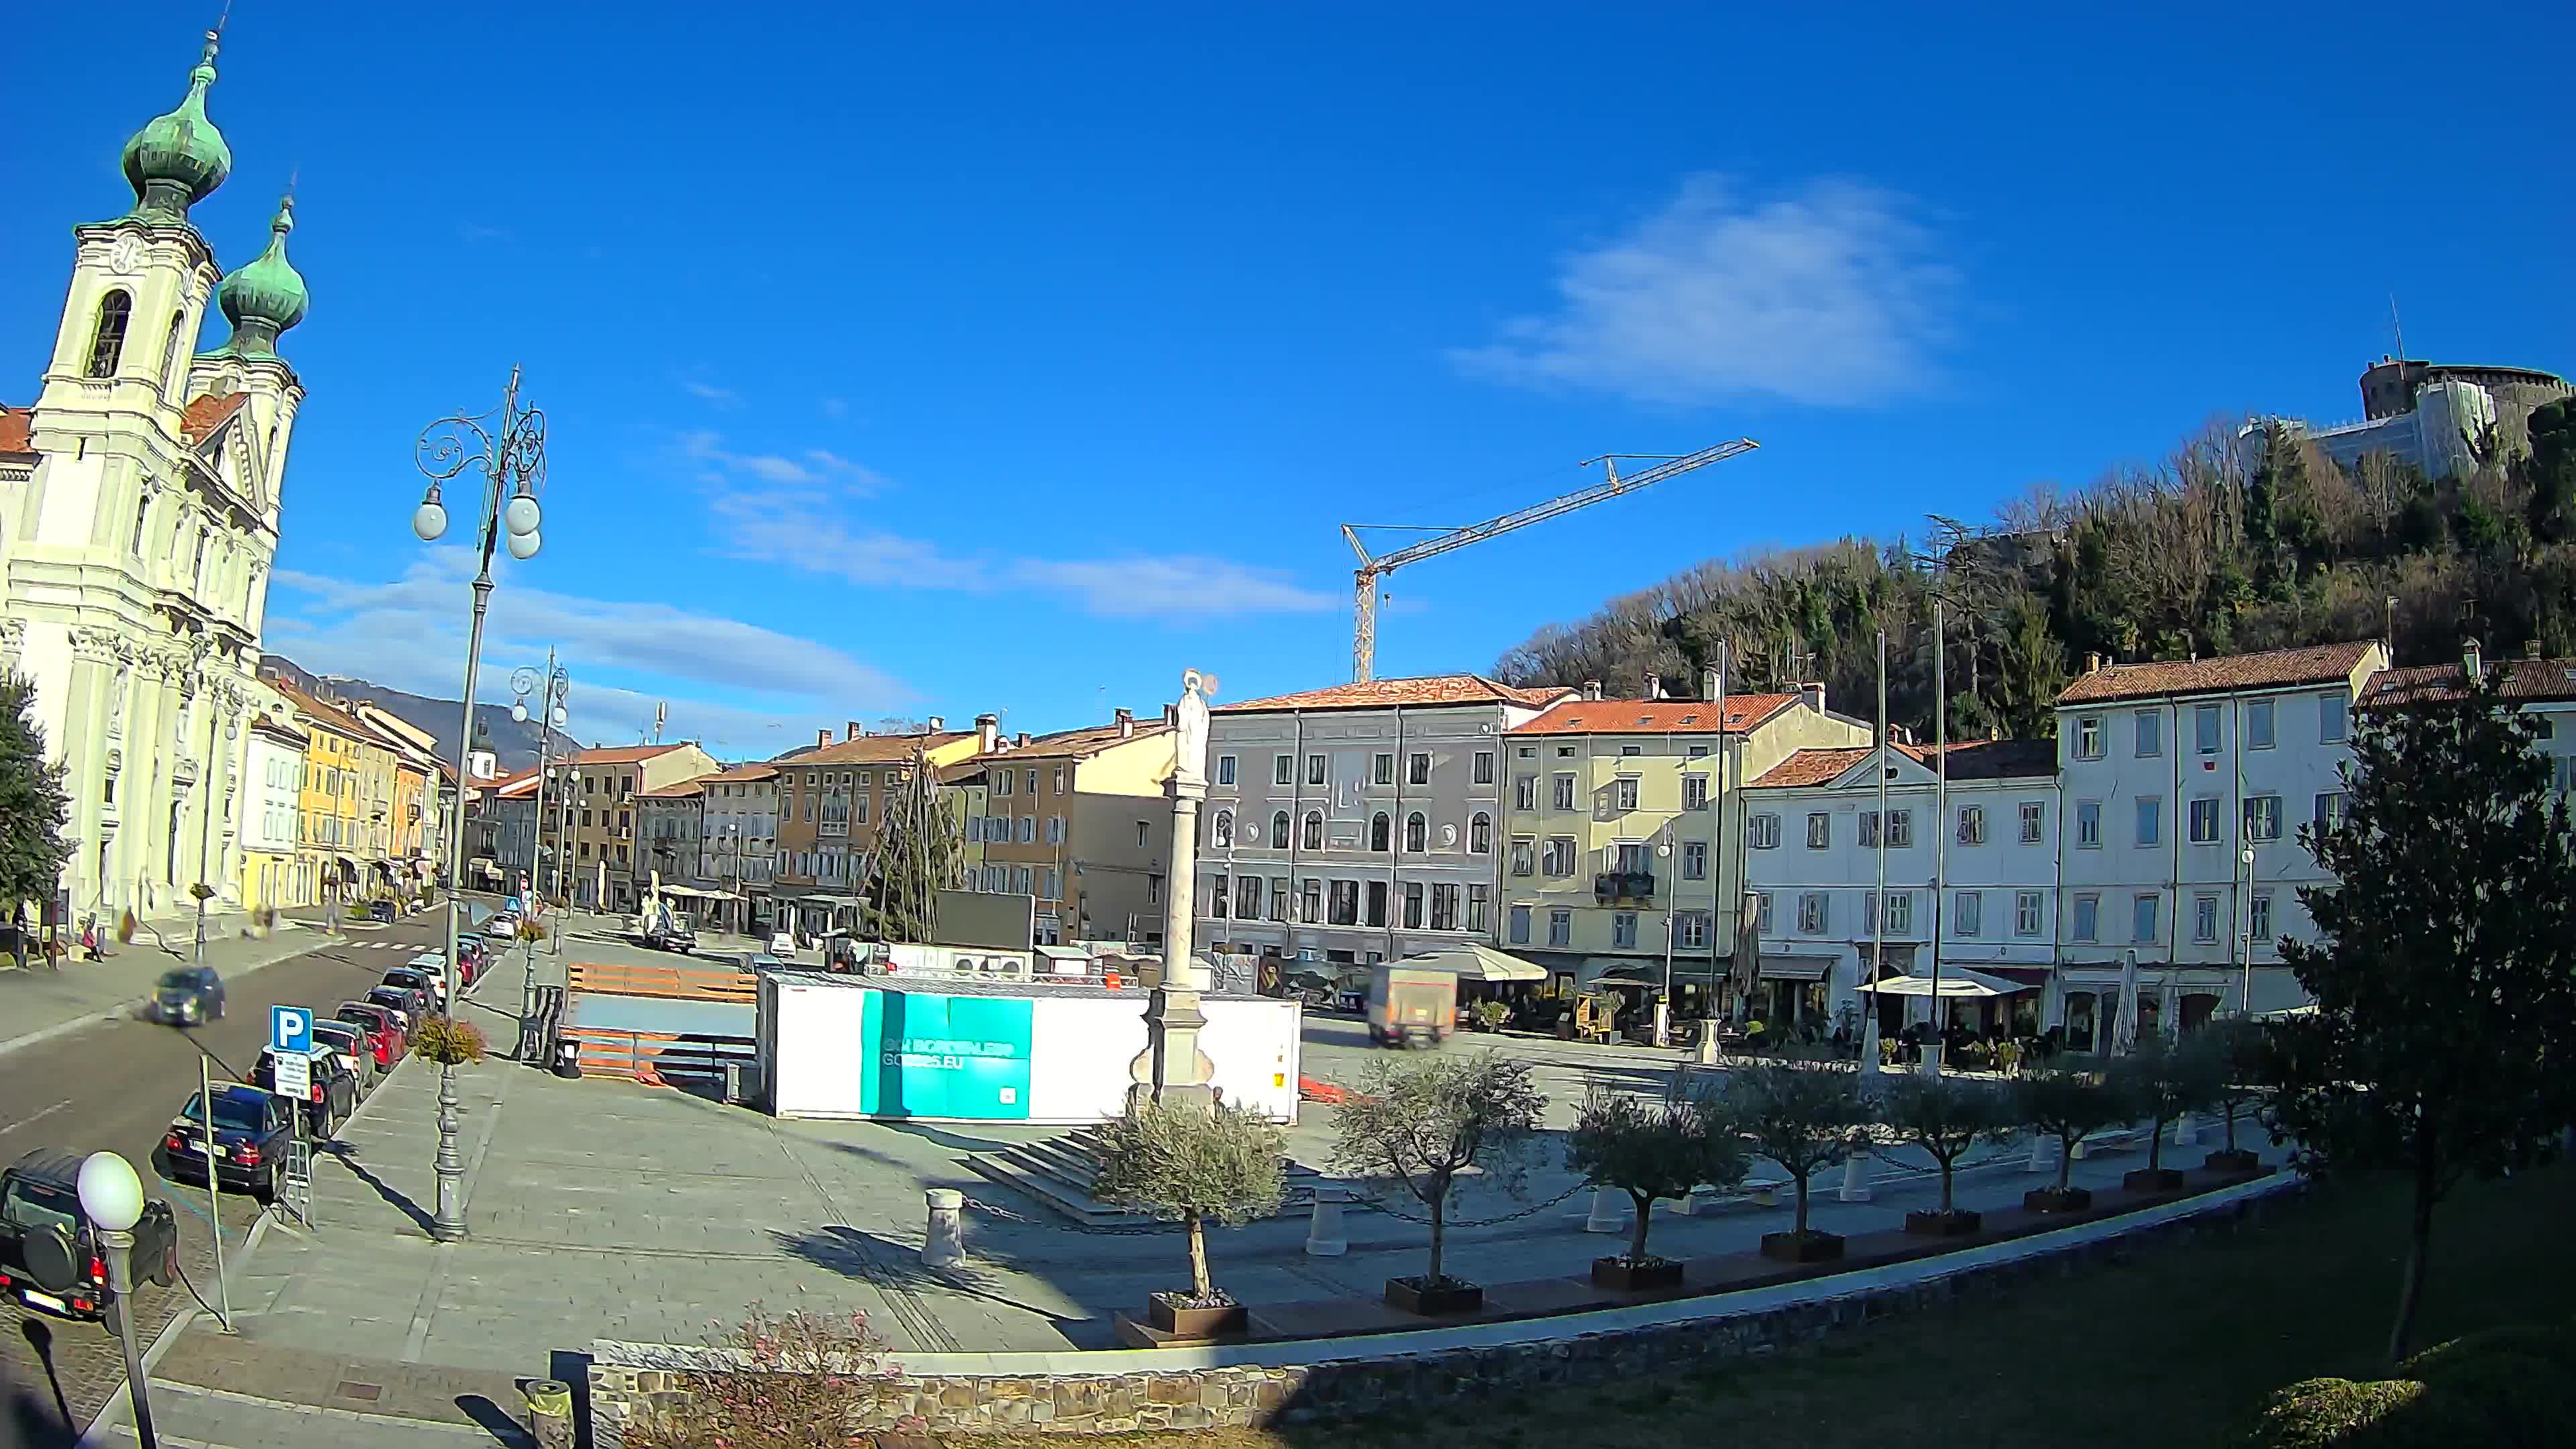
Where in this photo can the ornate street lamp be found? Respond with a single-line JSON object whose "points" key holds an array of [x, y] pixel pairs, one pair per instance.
{"points": [[111, 1197], [508, 447]]}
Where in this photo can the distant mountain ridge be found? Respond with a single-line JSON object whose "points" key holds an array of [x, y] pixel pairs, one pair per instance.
{"points": [[513, 744]]}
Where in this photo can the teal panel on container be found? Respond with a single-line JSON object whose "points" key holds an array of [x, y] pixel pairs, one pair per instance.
{"points": [[873, 1084], [963, 1057]]}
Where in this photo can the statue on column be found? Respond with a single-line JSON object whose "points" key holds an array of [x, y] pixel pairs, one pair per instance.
{"points": [[1172, 1066]]}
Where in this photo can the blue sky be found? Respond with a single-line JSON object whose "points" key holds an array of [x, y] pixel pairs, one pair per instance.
{"points": [[936, 359]]}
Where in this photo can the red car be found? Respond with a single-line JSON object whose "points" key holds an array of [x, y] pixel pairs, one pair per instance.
{"points": [[384, 1036]]}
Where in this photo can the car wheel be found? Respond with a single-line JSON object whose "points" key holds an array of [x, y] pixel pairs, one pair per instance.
{"points": [[265, 1190]]}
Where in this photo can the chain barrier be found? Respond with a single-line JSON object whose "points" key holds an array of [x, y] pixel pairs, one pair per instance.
{"points": [[999, 1213], [1396, 1212]]}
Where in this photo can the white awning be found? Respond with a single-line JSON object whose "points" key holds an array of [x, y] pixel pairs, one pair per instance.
{"points": [[1476, 963], [1794, 968], [1955, 982]]}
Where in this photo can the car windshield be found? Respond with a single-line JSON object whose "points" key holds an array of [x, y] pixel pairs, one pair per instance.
{"points": [[388, 995], [237, 1109], [181, 980], [342, 1033], [36, 1205], [364, 1020]]}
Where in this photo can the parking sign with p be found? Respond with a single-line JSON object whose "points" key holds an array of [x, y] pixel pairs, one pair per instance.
{"points": [[290, 1030]]}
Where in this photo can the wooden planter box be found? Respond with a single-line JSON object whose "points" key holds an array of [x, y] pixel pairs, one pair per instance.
{"points": [[1630, 1277], [2152, 1179], [2238, 1160], [1957, 1223], [2050, 1200], [1814, 1247], [1231, 1318], [1411, 1296]]}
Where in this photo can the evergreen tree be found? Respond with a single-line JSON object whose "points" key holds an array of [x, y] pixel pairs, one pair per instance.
{"points": [[33, 806], [2444, 968], [917, 857]]}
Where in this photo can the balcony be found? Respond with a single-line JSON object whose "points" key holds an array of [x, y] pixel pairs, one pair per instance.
{"points": [[1623, 885]]}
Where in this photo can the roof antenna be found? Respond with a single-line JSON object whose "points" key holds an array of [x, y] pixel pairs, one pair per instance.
{"points": [[224, 19], [2400, 329]]}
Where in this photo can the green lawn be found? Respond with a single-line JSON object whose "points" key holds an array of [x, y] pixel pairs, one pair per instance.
{"points": [[2172, 1351]]}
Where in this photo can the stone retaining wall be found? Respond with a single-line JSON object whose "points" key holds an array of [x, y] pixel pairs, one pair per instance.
{"points": [[626, 1378]]}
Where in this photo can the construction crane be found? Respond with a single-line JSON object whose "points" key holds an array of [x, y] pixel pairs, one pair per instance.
{"points": [[1373, 570]]}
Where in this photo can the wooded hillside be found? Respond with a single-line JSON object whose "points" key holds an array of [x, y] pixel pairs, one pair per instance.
{"points": [[2196, 554]]}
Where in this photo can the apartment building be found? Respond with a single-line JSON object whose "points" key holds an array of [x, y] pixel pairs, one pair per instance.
{"points": [[2184, 784], [831, 800], [1976, 890], [609, 870], [739, 842], [967, 791], [348, 769], [1619, 828], [502, 835], [1078, 820], [273, 874], [2542, 687], [1360, 822], [671, 826]]}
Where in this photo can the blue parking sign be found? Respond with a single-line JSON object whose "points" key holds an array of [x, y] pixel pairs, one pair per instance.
{"points": [[290, 1030]]}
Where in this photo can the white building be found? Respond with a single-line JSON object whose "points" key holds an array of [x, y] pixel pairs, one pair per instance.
{"points": [[2185, 784], [139, 505], [2542, 687], [273, 874], [739, 849], [1983, 901], [1289, 863]]}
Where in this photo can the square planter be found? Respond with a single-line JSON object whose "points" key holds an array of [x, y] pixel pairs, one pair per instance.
{"points": [[1811, 1247], [2050, 1200], [1182, 1322], [2238, 1160], [1630, 1277], [2152, 1179], [1957, 1223], [1432, 1300]]}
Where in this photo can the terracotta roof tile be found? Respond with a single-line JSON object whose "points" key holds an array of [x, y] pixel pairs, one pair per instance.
{"points": [[744, 774], [14, 425], [874, 749], [1655, 717], [621, 754], [2532, 680], [1078, 743], [1969, 760], [684, 790], [2273, 669], [1387, 693], [1816, 767], [205, 414], [329, 716]]}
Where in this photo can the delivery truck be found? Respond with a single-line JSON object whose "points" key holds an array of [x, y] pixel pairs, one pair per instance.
{"points": [[1407, 1004]]}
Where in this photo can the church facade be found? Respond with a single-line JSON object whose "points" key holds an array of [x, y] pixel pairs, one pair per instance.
{"points": [[139, 506]]}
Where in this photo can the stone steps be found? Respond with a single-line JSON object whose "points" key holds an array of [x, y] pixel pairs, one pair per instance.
{"points": [[1060, 1171]]}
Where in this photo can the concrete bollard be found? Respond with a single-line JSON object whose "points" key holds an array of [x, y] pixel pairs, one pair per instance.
{"points": [[943, 1245], [1324, 1233], [1855, 1185], [2043, 1152], [1609, 1211], [2186, 1130], [550, 1413]]}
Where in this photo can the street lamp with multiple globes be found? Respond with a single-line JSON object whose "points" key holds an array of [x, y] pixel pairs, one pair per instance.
{"points": [[552, 686], [508, 447]]}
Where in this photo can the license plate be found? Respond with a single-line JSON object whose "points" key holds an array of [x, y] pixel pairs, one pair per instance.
{"points": [[35, 1299], [224, 1152]]}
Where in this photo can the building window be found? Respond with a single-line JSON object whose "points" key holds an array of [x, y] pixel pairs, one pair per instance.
{"points": [[1623, 930], [1314, 769], [1869, 830], [2026, 912], [1694, 792], [1002, 780], [2204, 918], [1217, 903], [1480, 834], [1444, 906], [2088, 737], [1820, 830], [1223, 832], [1382, 770], [1762, 832], [1346, 903], [2151, 820], [1558, 857], [2258, 725], [1762, 912], [1476, 904], [2204, 820], [1283, 770], [2330, 717], [1814, 914], [2204, 729], [1412, 902], [2088, 917], [2263, 817], [1314, 831], [142, 522], [1279, 898], [1561, 793], [1311, 899], [2258, 917], [1057, 781], [2088, 824], [1520, 924], [1484, 770], [1627, 792], [2034, 821], [1417, 832], [1900, 913], [1381, 832], [1028, 833], [1524, 855], [1225, 769], [1279, 830], [2142, 918], [1417, 769], [1376, 903], [1560, 928], [2151, 733], [1968, 913], [2329, 807], [1690, 930], [1900, 829], [1694, 860], [1972, 825], [107, 339]]}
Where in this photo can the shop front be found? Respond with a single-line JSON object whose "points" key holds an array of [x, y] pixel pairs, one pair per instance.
{"points": [[2088, 1003]]}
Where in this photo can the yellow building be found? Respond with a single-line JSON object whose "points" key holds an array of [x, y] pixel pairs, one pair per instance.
{"points": [[1623, 830], [1079, 820], [347, 796]]}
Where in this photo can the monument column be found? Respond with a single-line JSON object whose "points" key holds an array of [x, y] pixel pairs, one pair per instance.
{"points": [[1172, 1068]]}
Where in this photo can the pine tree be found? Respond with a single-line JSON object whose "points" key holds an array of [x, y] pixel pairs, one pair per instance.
{"points": [[917, 857], [33, 806]]}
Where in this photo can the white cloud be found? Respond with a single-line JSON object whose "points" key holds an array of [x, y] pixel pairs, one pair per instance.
{"points": [[727, 680], [814, 467], [1176, 590], [709, 392], [1830, 295]]}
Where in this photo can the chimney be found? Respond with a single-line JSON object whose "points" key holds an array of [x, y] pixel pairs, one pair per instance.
{"points": [[2092, 661], [854, 730], [1592, 689], [1171, 716], [1654, 685], [1023, 741], [822, 738], [1814, 695], [2531, 647], [2472, 660], [1126, 723], [988, 733], [938, 724], [1708, 684]]}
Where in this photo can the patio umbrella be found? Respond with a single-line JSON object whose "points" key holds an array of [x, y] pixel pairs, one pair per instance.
{"points": [[2125, 1034]]}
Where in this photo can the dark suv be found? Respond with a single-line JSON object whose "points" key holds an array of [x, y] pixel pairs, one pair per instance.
{"points": [[41, 1191], [188, 996]]}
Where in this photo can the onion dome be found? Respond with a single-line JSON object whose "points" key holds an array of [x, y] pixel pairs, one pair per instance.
{"points": [[266, 297], [178, 159]]}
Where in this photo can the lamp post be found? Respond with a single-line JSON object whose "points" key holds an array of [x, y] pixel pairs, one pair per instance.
{"points": [[508, 447], [112, 1198], [552, 686]]}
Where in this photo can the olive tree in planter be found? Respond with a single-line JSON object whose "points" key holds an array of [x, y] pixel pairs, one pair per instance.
{"points": [[1417, 1125], [1650, 1149], [2160, 1081], [1803, 1113], [2239, 1074], [1946, 1116], [1192, 1163], [2067, 1102]]}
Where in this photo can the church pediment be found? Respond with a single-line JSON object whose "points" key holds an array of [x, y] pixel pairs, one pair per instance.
{"points": [[217, 430]]}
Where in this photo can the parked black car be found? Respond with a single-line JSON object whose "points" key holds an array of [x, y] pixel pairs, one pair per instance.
{"points": [[412, 1005], [330, 1099], [252, 1130], [41, 1191], [188, 996]]}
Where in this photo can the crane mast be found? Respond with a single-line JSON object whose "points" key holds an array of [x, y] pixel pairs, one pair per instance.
{"points": [[1373, 569]]}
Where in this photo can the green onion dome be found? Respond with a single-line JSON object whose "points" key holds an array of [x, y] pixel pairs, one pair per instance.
{"points": [[178, 159]]}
